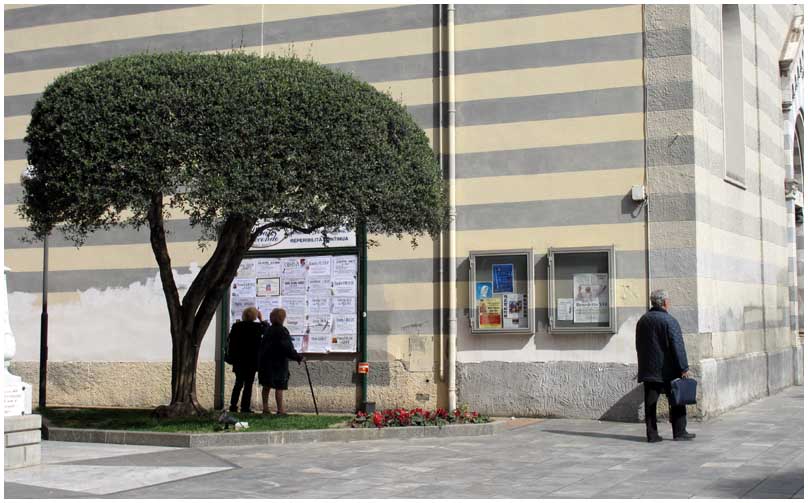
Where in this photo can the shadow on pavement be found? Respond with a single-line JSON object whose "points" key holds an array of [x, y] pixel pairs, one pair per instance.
{"points": [[629, 438]]}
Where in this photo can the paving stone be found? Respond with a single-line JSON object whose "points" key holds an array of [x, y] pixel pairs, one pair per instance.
{"points": [[545, 459]]}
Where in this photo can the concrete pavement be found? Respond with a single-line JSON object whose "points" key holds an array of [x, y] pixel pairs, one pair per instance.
{"points": [[755, 451]]}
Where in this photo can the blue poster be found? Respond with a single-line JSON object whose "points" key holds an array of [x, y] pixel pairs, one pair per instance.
{"points": [[503, 278], [483, 290]]}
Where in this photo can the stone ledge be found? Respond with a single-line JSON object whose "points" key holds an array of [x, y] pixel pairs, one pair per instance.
{"points": [[194, 440], [22, 423], [17, 438]]}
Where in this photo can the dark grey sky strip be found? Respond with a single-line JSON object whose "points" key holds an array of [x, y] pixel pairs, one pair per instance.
{"points": [[311, 28], [41, 15]]}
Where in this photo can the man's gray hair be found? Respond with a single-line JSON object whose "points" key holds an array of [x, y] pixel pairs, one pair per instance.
{"points": [[658, 298]]}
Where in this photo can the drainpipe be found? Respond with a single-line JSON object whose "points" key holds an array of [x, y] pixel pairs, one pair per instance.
{"points": [[442, 239], [450, 60]]}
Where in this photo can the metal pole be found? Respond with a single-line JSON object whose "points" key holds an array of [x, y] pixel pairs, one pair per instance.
{"points": [[43, 333], [363, 309]]}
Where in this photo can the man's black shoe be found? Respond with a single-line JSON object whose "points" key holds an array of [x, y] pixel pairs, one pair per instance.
{"points": [[685, 436], [655, 439], [246, 411], [233, 408]]}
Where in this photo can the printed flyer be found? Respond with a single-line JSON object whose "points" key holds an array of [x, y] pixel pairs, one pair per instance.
{"points": [[490, 312], [268, 287], [344, 265], [243, 288], [293, 267], [483, 290], [318, 266], [591, 301], [318, 285], [237, 307], [246, 269], [344, 305], [293, 286], [345, 286], [267, 304], [564, 310], [345, 324], [296, 325], [268, 267], [514, 307], [503, 278], [319, 305]]}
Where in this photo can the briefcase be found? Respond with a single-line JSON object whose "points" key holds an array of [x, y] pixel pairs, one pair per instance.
{"points": [[683, 391]]}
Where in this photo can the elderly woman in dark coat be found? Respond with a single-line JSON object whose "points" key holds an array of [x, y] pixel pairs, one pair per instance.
{"points": [[242, 352], [276, 351]]}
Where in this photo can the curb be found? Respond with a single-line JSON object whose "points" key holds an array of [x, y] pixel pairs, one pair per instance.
{"points": [[194, 440]]}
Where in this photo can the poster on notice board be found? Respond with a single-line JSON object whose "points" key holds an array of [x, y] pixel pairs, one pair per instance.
{"points": [[318, 294]]}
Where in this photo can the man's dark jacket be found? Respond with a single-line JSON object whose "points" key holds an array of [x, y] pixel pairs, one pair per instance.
{"points": [[661, 355]]}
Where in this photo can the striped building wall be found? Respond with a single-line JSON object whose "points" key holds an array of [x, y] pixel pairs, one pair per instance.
{"points": [[108, 322], [560, 110], [549, 142], [741, 230]]}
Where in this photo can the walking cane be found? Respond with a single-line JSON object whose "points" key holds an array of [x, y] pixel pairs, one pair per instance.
{"points": [[311, 387]]}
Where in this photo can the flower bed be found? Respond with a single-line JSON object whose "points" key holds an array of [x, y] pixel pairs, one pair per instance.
{"points": [[417, 417]]}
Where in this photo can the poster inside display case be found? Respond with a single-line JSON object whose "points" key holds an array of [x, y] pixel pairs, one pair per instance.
{"points": [[501, 291], [581, 289]]}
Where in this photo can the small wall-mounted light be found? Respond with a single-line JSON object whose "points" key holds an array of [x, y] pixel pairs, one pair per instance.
{"points": [[638, 193]]}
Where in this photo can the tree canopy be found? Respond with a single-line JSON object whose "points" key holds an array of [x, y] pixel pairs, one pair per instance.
{"points": [[272, 138], [239, 144]]}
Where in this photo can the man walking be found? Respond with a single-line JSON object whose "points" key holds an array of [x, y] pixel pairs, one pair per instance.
{"points": [[661, 358]]}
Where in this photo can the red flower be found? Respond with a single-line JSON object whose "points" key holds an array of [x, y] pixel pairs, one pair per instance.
{"points": [[378, 420]]}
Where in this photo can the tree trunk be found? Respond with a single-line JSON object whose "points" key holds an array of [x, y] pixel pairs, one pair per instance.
{"points": [[185, 356], [190, 318]]}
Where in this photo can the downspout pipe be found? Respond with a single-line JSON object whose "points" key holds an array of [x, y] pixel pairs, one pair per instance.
{"points": [[442, 241], [450, 144]]}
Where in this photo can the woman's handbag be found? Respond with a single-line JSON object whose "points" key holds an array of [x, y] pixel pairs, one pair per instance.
{"points": [[683, 391]]}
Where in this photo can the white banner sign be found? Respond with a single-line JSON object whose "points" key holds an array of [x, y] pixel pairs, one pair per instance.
{"points": [[283, 240]]}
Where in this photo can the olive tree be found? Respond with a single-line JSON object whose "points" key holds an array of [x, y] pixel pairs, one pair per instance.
{"points": [[236, 143]]}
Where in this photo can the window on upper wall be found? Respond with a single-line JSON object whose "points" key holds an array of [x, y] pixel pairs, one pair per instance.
{"points": [[732, 78]]}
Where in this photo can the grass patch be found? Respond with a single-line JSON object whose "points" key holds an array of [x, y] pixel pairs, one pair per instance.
{"points": [[142, 420]]}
